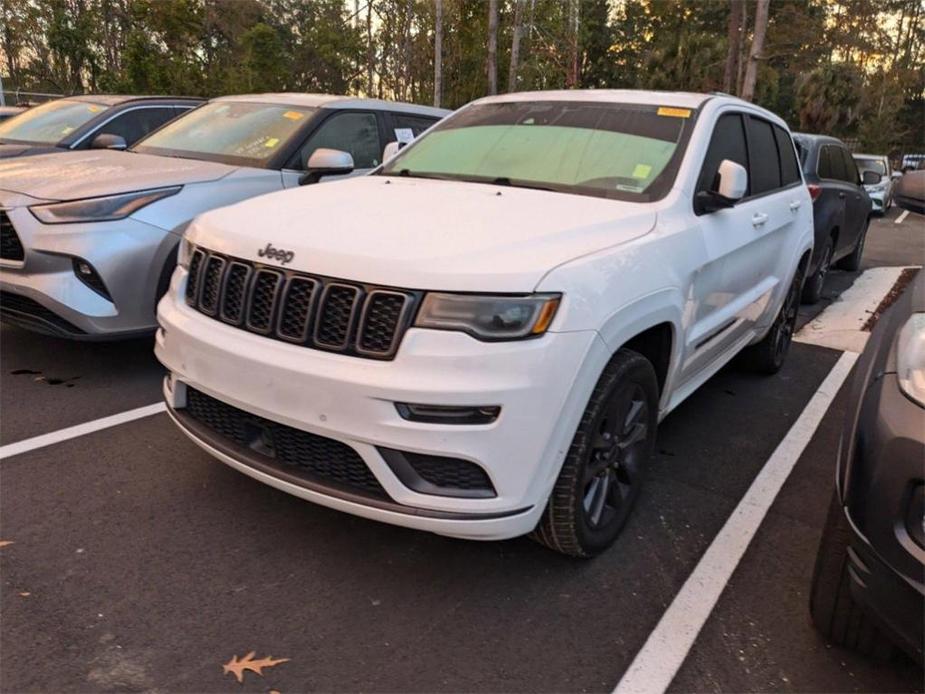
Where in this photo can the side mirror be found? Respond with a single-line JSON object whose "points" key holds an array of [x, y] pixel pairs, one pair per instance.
{"points": [[108, 141], [871, 178], [390, 150], [732, 185], [326, 162]]}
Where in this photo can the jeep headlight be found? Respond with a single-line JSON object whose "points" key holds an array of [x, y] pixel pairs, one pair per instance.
{"points": [[910, 358], [488, 317], [103, 209]]}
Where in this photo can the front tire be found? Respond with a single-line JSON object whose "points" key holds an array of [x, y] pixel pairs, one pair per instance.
{"points": [[606, 462], [853, 262], [834, 611]]}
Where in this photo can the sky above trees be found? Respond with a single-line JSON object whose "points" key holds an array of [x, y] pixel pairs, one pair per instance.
{"points": [[853, 68]]}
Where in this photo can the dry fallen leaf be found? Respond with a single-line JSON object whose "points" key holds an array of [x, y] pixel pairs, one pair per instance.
{"points": [[24, 594], [4, 543], [237, 667]]}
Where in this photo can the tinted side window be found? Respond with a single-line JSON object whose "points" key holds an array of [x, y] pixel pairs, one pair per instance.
{"points": [[789, 170], [356, 133], [135, 124], [851, 168], [765, 162], [835, 164], [728, 142], [417, 124]]}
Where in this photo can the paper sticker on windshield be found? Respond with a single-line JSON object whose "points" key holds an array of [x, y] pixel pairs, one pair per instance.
{"points": [[293, 115], [93, 109], [67, 131], [674, 112], [642, 171], [272, 142]]}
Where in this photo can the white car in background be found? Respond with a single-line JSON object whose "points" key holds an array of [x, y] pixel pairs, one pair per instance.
{"points": [[881, 194], [480, 339], [88, 240]]}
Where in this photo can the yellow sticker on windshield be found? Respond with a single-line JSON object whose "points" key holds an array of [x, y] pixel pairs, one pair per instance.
{"points": [[642, 171], [272, 142], [674, 112], [93, 109], [293, 115]]}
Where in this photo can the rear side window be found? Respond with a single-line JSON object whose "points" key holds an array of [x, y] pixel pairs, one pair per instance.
{"points": [[416, 124], [764, 169], [789, 170], [831, 163], [851, 168], [728, 142], [135, 124]]}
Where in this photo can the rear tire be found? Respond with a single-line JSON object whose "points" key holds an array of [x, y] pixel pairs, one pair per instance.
{"points": [[853, 262], [606, 462], [832, 606], [812, 290], [768, 355]]}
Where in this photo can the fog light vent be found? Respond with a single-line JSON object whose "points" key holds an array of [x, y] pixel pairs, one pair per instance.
{"points": [[87, 274]]}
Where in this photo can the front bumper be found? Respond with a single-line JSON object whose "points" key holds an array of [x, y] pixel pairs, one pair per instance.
{"points": [[879, 200], [44, 293], [541, 385]]}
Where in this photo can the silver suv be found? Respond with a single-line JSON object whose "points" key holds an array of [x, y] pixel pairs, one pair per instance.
{"points": [[88, 240]]}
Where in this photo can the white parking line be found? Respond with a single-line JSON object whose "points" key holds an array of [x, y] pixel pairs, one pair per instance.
{"points": [[656, 665], [901, 218], [79, 430]]}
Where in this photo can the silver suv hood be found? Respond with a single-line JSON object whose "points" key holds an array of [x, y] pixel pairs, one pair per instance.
{"points": [[75, 175]]}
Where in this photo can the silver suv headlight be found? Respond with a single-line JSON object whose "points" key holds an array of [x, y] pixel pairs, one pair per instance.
{"points": [[910, 358], [487, 317], [103, 209]]}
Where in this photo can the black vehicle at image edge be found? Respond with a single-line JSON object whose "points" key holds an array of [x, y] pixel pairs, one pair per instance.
{"points": [[869, 580], [841, 207]]}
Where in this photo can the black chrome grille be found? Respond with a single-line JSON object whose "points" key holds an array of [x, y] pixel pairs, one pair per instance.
{"points": [[10, 245], [314, 311], [314, 458]]}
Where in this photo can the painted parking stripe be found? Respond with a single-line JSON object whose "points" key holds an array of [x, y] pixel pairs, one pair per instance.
{"points": [[901, 218], [656, 665], [79, 430]]}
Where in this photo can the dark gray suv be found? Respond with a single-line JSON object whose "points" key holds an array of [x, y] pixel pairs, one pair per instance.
{"points": [[841, 207]]}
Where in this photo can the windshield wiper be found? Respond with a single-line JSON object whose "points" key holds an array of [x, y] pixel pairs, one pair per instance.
{"points": [[505, 181]]}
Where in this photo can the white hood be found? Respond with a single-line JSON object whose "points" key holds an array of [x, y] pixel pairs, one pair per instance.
{"points": [[75, 175], [423, 234]]}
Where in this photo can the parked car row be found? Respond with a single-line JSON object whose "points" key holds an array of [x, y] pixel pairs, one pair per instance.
{"points": [[479, 336]]}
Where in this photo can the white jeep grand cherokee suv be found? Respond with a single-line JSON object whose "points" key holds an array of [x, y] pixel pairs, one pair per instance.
{"points": [[480, 338]]}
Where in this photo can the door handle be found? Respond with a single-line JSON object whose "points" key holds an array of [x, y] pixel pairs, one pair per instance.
{"points": [[759, 219], [841, 195], [795, 205]]}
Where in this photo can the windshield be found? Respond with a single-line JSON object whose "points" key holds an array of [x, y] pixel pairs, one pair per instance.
{"points": [[49, 123], [622, 151], [875, 165], [239, 133]]}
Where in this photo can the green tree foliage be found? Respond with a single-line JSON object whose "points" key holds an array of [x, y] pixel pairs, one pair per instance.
{"points": [[853, 68]]}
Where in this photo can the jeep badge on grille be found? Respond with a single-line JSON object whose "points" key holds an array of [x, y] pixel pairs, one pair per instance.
{"points": [[279, 254]]}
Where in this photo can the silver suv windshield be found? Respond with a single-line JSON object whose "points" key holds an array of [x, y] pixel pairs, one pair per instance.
{"points": [[867, 164], [49, 123], [243, 133], [611, 150]]}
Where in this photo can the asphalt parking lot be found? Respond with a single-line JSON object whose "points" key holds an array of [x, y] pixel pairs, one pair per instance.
{"points": [[137, 562]]}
